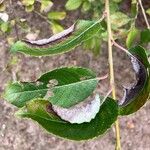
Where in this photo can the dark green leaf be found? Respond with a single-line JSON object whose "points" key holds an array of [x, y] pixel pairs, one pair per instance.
{"points": [[136, 96], [145, 36], [37, 110], [61, 42]]}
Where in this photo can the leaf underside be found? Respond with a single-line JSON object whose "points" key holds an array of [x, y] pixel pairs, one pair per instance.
{"points": [[61, 42], [104, 119], [136, 96]]}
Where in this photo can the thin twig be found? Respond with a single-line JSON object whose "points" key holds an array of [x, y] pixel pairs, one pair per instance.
{"points": [[121, 48], [14, 16], [144, 14], [43, 17], [112, 82], [103, 77]]}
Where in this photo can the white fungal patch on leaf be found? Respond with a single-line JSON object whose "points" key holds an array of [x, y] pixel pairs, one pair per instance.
{"points": [[53, 38], [82, 112], [134, 89]]}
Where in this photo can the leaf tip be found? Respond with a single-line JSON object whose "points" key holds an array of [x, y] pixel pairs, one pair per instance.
{"points": [[19, 45]]}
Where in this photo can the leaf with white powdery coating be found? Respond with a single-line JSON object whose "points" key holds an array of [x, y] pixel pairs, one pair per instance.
{"points": [[61, 42], [137, 95], [99, 125]]}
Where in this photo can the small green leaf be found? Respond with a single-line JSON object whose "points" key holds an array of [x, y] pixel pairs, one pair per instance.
{"points": [[137, 95], [4, 27], [119, 19], [29, 8], [37, 110], [46, 5], [57, 15], [86, 6], [28, 2], [132, 35], [62, 42], [145, 36], [56, 28], [73, 4], [148, 11], [134, 9]]}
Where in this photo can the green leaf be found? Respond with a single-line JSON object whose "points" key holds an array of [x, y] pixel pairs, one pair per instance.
{"points": [[46, 5], [4, 27], [62, 42], [139, 93], [86, 6], [119, 19], [56, 28], [28, 3], [19, 93], [134, 9], [94, 45], [145, 36], [73, 4], [57, 15], [99, 125], [29, 8], [148, 11], [114, 7], [132, 35], [74, 85]]}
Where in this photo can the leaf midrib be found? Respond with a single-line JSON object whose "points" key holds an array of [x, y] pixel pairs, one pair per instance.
{"points": [[56, 87]]}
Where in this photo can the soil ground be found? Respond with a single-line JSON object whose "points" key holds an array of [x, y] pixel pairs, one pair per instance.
{"points": [[18, 134]]}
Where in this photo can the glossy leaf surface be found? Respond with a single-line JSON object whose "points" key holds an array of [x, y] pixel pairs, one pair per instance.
{"points": [[37, 110], [137, 95]]}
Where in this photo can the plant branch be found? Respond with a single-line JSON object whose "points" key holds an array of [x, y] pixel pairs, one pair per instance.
{"points": [[121, 48], [112, 81], [43, 17], [144, 14]]}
